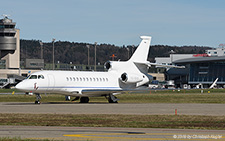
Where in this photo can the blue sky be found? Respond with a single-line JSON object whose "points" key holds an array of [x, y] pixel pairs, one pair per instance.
{"points": [[120, 22]]}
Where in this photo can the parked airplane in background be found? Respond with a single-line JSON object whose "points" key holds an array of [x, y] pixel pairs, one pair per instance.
{"points": [[212, 86], [121, 76]]}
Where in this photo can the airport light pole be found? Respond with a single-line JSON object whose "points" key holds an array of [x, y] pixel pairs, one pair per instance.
{"points": [[132, 49], [53, 53], [171, 54], [95, 54], [88, 53], [41, 43], [128, 50]]}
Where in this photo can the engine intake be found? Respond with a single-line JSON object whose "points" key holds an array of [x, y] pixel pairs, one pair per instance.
{"points": [[130, 78], [107, 65], [124, 77]]}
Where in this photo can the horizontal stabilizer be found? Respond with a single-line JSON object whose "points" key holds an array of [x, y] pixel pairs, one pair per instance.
{"points": [[159, 65], [141, 53], [166, 66]]}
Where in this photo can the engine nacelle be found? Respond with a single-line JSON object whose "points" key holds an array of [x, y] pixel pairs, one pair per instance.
{"points": [[116, 65], [130, 78], [108, 65]]}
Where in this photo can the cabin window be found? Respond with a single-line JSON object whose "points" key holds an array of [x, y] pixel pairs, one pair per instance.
{"points": [[74, 79], [100, 79], [70, 78], [96, 79], [103, 79], [80, 79], [106, 79], [67, 78], [93, 79], [77, 78], [40, 77], [87, 79], [90, 79], [33, 77], [84, 79]]}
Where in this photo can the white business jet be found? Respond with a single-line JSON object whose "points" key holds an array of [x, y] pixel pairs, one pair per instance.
{"points": [[121, 76]]}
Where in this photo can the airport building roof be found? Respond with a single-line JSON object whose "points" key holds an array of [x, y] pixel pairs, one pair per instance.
{"points": [[200, 59]]}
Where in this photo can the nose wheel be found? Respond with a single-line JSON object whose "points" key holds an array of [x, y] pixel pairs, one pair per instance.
{"points": [[38, 98]]}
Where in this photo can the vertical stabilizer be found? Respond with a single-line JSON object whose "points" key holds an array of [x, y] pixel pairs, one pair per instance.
{"points": [[141, 53], [213, 84]]}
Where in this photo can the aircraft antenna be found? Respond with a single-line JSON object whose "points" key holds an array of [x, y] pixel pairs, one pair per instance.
{"points": [[5, 16]]}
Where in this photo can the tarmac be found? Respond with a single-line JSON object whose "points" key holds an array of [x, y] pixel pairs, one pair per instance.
{"points": [[106, 108], [108, 134], [103, 133]]}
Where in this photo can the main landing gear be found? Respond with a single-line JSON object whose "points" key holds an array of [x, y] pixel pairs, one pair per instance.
{"points": [[82, 99], [38, 98], [112, 99], [76, 98]]}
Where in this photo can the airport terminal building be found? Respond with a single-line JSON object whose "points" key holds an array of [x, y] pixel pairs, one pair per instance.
{"points": [[10, 69], [201, 69]]}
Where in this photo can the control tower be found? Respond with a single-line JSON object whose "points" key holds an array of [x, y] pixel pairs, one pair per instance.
{"points": [[9, 43]]}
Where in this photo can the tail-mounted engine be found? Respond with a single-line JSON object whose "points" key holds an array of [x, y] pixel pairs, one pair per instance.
{"points": [[130, 78], [108, 65], [114, 65]]}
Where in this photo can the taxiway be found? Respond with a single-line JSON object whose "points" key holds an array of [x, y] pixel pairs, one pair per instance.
{"points": [[103, 133], [106, 108], [99, 133]]}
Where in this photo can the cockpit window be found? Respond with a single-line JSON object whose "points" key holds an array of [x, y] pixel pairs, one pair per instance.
{"points": [[33, 77], [40, 77]]}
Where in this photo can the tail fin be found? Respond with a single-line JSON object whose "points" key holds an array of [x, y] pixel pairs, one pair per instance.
{"points": [[141, 53], [213, 84]]}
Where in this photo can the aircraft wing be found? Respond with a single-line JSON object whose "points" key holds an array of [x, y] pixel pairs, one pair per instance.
{"points": [[100, 91], [94, 92]]}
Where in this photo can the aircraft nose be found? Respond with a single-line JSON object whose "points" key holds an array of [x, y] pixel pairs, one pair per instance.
{"points": [[18, 86]]}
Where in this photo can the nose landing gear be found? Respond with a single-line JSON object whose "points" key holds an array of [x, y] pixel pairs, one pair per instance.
{"points": [[38, 98]]}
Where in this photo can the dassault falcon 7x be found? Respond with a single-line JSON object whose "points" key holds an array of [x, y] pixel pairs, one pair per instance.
{"points": [[121, 76]]}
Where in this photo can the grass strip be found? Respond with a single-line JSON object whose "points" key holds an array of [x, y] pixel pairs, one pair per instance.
{"points": [[129, 121], [18, 139]]}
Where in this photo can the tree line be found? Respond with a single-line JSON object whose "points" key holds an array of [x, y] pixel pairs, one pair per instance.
{"points": [[77, 53]]}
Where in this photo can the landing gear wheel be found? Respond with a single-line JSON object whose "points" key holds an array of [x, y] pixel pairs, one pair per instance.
{"points": [[112, 99], [38, 98], [84, 100], [37, 102]]}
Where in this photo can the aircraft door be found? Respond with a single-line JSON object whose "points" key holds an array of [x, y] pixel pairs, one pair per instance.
{"points": [[51, 82]]}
